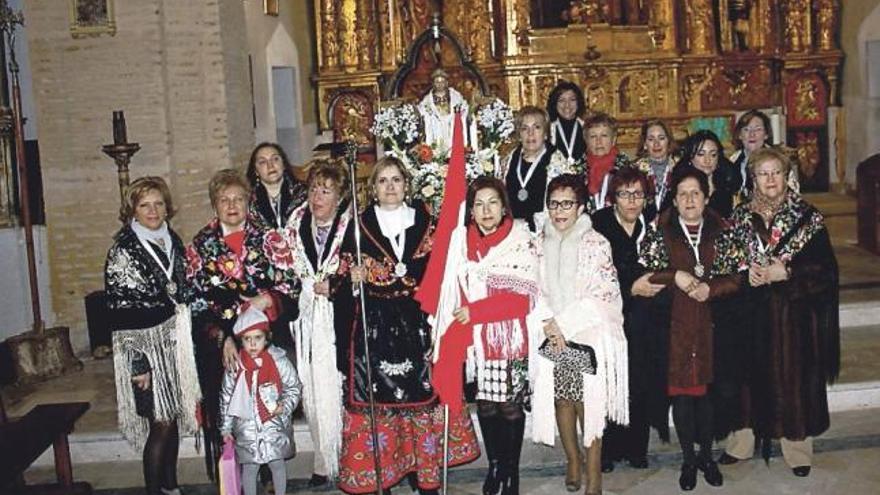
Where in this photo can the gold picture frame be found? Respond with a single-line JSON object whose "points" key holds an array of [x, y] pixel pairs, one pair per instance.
{"points": [[92, 18], [270, 7]]}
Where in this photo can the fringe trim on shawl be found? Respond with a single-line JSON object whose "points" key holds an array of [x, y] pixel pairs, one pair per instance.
{"points": [[322, 387], [175, 385], [608, 390], [315, 345], [606, 394]]}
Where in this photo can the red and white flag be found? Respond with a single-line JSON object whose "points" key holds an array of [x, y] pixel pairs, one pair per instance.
{"points": [[439, 293]]}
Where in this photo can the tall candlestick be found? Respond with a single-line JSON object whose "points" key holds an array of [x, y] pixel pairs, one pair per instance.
{"points": [[119, 132]]}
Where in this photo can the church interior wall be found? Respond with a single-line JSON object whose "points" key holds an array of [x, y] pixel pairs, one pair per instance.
{"points": [[860, 23], [197, 100], [177, 71], [15, 305], [283, 41]]}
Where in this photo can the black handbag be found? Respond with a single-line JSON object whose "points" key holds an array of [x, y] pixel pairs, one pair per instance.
{"points": [[579, 357]]}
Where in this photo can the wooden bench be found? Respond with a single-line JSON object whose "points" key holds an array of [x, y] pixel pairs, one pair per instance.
{"points": [[23, 440]]}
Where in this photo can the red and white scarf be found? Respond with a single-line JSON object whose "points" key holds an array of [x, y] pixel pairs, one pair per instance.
{"points": [[260, 371]]}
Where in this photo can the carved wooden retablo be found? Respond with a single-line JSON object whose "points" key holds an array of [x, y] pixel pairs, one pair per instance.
{"points": [[689, 62]]}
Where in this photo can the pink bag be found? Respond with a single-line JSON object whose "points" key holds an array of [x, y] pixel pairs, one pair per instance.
{"points": [[230, 475]]}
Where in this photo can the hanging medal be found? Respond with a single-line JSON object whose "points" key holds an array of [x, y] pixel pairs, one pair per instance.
{"points": [[523, 194], [699, 269], [568, 142], [397, 244], [170, 286]]}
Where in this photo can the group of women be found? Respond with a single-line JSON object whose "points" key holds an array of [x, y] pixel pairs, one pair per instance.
{"points": [[591, 301]]}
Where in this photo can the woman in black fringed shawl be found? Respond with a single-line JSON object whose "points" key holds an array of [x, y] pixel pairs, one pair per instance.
{"points": [[780, 250]]}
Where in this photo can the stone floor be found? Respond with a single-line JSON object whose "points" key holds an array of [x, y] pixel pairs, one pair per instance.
{"points": [[846, 461]]}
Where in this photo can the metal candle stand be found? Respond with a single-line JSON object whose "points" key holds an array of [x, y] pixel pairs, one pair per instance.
{"points": [[121, 151]]}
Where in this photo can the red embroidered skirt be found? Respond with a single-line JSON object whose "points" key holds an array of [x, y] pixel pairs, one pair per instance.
{"points": [[410, 440]]}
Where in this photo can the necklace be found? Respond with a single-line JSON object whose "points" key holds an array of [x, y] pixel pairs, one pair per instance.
{"points": [[568, 143], [171, 286], [699, 270], [523, 194]]}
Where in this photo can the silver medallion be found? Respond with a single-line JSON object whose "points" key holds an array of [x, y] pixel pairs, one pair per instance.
{"points": [[400, 269], [698, 270], [522, 195], [171, 288]]}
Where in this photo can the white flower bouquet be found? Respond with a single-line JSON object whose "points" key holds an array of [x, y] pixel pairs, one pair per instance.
{"points": [[398, 127]]}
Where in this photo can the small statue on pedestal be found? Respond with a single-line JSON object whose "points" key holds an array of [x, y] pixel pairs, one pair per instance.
{"points": [[738, 13], [438, 108]]}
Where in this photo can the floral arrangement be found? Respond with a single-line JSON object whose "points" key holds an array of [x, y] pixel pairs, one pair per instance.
{"points": [[495, 123], [398, 127], [428, 166]]}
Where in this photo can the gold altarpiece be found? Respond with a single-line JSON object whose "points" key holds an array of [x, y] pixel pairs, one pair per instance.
{"points": [[685, 61]]}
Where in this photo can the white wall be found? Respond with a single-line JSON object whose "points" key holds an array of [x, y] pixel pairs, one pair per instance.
{"points": [[271, 44], [15, 302], [862, 110], [16, 315]]}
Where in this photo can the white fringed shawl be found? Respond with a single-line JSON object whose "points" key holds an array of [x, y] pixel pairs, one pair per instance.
{"points": [[168, 347], [511, 265], [315, 339], [588, 309]]}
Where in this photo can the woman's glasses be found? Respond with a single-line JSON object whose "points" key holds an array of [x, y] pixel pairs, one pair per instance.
{"points": [[631, 195], [565, 204]]}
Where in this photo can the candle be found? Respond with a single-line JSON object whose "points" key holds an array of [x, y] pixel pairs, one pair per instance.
{"points": [[119, 131]]}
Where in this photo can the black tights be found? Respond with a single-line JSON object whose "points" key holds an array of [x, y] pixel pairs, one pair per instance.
{"points": [[160, 457], [693, 423], [502, 425]]}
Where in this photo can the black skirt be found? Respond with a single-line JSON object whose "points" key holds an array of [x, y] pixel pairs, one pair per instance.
{"points": [[400, 343]]}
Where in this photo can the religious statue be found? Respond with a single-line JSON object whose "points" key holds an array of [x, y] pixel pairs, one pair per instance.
{"points": [[701, 35], [587, 12], [796, 38], [629, 12], [826, 23], [329, 42], [438, 109], [738, 13]]}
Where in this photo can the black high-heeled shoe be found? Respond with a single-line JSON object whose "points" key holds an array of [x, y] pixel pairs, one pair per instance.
{"points": [[711, 473], [492, 483], [510, 481], [688, 479], [318, 480], [801, 471], [639, 462]]}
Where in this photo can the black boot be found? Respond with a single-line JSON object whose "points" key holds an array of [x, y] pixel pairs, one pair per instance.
{"points": [[515, 431], [489, 429], [711, 472], [688, 479]]}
